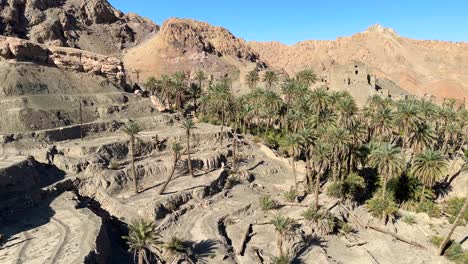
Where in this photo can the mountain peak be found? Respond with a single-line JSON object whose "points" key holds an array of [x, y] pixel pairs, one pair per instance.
{"points": [[377, 28]]}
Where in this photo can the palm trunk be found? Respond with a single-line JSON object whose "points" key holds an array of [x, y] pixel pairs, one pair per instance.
{"points": [[188, 154], [234, 148], [132, 152], [176, 159], [279, 244], [308, 176], [294, 172], [384, 187], [317, 186], [455, 224], [335, 162], [222, 125], [140, 256]]}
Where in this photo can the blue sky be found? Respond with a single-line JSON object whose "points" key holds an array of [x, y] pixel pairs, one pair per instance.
{"points": [[290, 21]]}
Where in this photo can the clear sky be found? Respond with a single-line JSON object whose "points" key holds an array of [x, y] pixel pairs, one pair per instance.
{"points": [[290, 21]]}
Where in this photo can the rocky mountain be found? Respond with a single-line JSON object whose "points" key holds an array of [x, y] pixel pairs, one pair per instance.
{"points": [[85, 24], [185, 44], [418, 66]]}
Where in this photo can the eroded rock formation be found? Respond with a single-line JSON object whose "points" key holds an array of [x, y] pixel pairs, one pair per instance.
{"points": [[19, 50], [86, 24]]}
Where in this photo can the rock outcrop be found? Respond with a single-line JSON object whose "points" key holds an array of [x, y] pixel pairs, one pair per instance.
{"points": [[19, 50], [85, 24]]}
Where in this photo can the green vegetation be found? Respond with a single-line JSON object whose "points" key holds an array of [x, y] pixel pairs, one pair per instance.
{"points": [[267, 203], [409, 219], [453, 208], [142, 240], [454, 251], [290, 195], [389, 154], [131, 128]]}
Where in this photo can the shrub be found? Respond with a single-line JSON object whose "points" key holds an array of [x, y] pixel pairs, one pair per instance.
{"points": [[454, 252], [453, 207], [336, 189], [323, 222], [113, 165], [409, 219], [346, 228], [354, 186], [284, 259], [428, 207], [266, 203], [311, 214], [174, 245], [290, 195], [380, 207]]}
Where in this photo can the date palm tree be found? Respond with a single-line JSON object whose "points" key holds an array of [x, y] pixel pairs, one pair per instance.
{"points": [[142, 240], [282, 226], [429, 167], [321, 153], [291, 145], [407, 116], [270, 78], [340, 139], [131, 128], [189, 125], [200, 77], [423, 136], [176, 149], [389, 163], [306, 76], [252, 79]]}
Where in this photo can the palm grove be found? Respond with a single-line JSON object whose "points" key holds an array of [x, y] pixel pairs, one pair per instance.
{"points": [[387, 155]]}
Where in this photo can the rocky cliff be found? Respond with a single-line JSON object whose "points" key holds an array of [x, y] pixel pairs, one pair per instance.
{"points": [[419, 66], [85, 24], [18, 50]]}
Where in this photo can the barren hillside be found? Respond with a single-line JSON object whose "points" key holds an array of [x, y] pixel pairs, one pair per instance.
{"points": [[419, 66], [187, 45]]}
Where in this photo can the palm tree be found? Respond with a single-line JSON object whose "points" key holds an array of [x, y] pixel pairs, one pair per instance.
{"points": [[407, 116], [189, 125], [307, 138], [319, 98], [221, 98], [176, 149], [429, 167], [142, 239], [292, 146], [282, 225], [383, 123], [341, 140], [388, 161], [200, 77], [166, 84], [132, 129], [321, 153], [423, 136], [306, 76], [179, 88], [252, 78], [460, 216], [271, 78]]}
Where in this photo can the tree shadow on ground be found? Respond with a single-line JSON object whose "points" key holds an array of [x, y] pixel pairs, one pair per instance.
{"points": [[199, 251], [310, 240]]}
